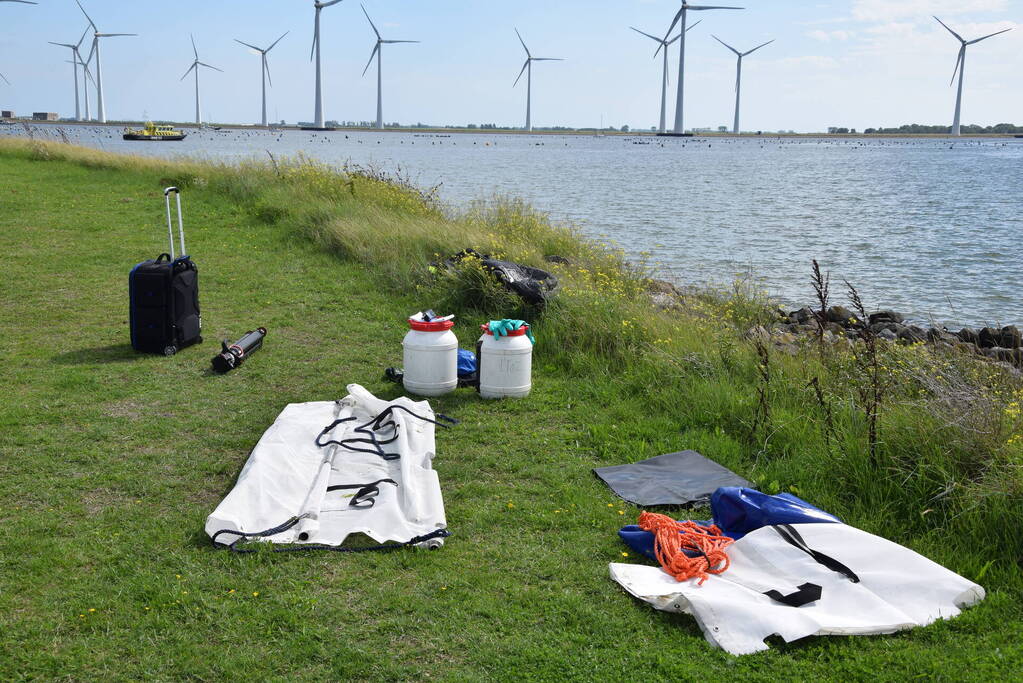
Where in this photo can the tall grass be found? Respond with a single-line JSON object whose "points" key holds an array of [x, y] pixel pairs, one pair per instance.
{"points": [[944, 459]]}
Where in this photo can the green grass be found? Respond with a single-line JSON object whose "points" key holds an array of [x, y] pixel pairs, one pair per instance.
{"points": [[112, 460]]}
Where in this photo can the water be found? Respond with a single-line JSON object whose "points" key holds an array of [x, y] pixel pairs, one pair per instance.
{"points": [[930, 227]]}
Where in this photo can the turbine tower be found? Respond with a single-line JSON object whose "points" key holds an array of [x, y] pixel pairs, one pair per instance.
{"points": [[377, 52], [318, 117], [681, 16], [961, 67], [266, 67], [662, 43], [528, 65], [738, 74], [195, 67], [101, 112]]}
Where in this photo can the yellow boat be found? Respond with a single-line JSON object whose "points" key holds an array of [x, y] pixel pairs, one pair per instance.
{"points": [[153, 131]]}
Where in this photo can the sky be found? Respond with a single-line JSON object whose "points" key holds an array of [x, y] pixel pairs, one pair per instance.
{"points": [[858, 63]]}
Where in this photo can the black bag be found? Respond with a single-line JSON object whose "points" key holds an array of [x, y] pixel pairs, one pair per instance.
{"points": [[164, 297]]}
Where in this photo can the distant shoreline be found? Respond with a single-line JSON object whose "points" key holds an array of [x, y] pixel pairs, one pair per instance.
{"points": [[503, 131]]}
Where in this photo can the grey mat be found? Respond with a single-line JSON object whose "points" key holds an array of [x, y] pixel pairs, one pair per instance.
{"points": [[683, 478]]}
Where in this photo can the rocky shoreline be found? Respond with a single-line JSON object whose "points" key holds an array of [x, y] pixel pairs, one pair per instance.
{"points": [[838, 324]]}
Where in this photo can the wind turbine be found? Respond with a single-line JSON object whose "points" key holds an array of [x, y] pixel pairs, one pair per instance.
{"points": [[528, 65], [266, 67], [961, 67], [681, 16], [316, 49], [76, 59], [101, 112], [664, 79], [377, 51], [195, 67], [738, 74]]}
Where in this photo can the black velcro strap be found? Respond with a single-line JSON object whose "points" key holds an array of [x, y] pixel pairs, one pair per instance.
{"points": [[788, 532], [808, 592], [366, 495]]}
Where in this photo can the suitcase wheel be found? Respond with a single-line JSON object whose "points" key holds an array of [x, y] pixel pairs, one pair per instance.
{"points": [[170, 350], [198, 340]]}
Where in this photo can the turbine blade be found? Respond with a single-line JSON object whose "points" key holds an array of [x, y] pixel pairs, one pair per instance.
{"points": [[192, 38], [247, 45], [372, 54], [209, 66], [521, 72], [84, 33], [725, 44], [370, 20], [646, 34], [114, 35], [189, 70], [61, 44], [949, 30], [275, 42], [548, 59], [24, 2], [988, 36], [5, 79], [959, 60], [674, 21], [327, 4], [399, 41], [266, 64], [523, 43], [703, 7], [92, 50], [312, 49], [91, 23], [691, 26], [757, 48]]}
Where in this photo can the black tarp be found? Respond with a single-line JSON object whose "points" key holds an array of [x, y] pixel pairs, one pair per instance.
{"points": [[683, 478]]}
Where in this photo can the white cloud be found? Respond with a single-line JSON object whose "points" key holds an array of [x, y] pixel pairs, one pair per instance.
{"points": [[829, 36], [893, 10]]}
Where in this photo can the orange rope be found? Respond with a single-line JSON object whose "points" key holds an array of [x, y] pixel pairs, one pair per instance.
{"points": [[671, 538]]}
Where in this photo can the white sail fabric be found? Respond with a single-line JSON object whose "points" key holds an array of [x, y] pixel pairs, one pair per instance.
{"points": [[898, 589], [287, 476]]}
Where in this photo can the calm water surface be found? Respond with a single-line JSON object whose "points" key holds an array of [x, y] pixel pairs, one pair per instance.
{"points": [[932, 228]]}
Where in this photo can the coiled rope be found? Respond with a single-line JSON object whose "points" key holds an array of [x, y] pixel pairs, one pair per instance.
{"points": [[687, 549]]}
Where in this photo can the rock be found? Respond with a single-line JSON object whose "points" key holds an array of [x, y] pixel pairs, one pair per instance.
{"points": [[1001, 354], [839, 314], [934, 334], [989, 337], [652, 285], [803, 315], [829, 337], [784, 338], [911, 334], [1010, 337], [665, 302], [887, 334], [759, 332], [886, 317], [554, 258], [877, 327], [969, 335], [835, 328]]}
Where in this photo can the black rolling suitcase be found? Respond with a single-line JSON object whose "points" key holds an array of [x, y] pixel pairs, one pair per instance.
{"points": [[164, 297]]}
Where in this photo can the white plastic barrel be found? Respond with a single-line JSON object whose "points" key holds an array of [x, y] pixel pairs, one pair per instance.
{"points": [[505, 363], [431, 358]]}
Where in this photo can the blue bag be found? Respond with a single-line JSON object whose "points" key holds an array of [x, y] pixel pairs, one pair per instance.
{"points": [[466, 363], [737, 511]]}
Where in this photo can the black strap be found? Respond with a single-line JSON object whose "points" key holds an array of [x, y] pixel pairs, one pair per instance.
{"points": [[384, 420], [789, 533], [808, 592], [160, 258], [242, 535], [366, 496]]}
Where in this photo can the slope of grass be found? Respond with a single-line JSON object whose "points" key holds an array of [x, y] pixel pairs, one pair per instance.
{"points": [[111, 460]]}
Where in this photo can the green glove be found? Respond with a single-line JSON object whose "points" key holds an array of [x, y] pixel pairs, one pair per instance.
{"points": [[501, 328]]}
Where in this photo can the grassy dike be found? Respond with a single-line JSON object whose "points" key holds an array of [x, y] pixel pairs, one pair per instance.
{"points": [[110, 461]]}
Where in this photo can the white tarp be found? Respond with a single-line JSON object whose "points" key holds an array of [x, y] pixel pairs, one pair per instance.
{"points": [[287, 476], [898, 589]]}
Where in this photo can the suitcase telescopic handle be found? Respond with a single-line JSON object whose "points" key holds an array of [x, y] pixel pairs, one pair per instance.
{"points": [[181, 225]]}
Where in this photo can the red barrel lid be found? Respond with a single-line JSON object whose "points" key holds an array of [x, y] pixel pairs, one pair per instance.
{"points": [[514, 333], [436, 326]]}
